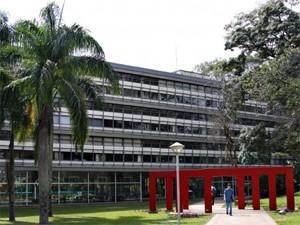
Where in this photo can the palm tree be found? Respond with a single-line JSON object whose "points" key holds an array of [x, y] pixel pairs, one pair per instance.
{"points": [[63, 62], [12, 105], [15, 109]]}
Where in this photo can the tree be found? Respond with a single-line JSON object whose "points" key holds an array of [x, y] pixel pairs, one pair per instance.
{"points": [[232, 98], [270, 36], [255, 145], [278, 83], [58, 61], [264, 33], [13, 106]]}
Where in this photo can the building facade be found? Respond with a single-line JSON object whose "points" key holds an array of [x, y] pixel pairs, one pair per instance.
{"points": [[129, 135]]}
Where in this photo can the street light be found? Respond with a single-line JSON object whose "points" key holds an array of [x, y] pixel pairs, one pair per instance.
{"points": [[177, 149]]}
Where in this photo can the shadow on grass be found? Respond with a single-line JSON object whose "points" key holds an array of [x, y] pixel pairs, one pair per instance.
{"points": [[130, 220], [28, 211]]}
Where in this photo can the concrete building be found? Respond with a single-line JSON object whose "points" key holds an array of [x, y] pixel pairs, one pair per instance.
{"points": [[130, 135]]}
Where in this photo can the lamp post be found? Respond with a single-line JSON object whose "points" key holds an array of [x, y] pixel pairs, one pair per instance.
{"points": [[177, 149]]}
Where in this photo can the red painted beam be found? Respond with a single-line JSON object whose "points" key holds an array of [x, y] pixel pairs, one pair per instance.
{"points": [[207, 194], [241, 192], [152, 193], [255, 192], [290, 190], [272, 192], [169, 193], [184, 191]]}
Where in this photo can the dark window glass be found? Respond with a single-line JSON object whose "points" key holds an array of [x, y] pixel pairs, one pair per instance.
{"points": [[118, 158], [179, 99], [164, 159], [163, 97], [128, 158], [109, 157], [146, 158], [180, 129], [108, 123], [118, 124], [127, 124], [95, 122], [4, 135]]}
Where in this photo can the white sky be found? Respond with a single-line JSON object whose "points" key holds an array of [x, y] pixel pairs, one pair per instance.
{"points": [[148, 33]]}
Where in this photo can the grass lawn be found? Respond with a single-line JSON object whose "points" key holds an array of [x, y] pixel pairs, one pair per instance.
{"points": [[104, 214], [289, 218]]}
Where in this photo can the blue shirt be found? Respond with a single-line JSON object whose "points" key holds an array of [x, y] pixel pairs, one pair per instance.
{"points": [[229, 195]]}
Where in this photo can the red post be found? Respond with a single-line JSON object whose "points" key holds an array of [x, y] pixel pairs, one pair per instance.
{"points": [[152, 193], [169, 193], [289, 180], [207, 194], [241, 192], [255, 192], [184, 191], [272, 192]]}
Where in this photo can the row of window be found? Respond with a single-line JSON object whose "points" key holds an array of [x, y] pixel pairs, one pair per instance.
{"points": [[138, 143], [144, 126], [97, 157], [181, 99], [170, 84], [117, 108], [76, 177]]}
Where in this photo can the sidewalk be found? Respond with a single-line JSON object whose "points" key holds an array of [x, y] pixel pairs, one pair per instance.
{"points": [[239, 217]]}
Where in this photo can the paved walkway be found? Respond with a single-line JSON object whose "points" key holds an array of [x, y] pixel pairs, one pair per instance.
{"points": [[239, 217]]}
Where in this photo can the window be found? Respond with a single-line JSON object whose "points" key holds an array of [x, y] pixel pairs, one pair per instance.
{"points": [[95, 122], [127, 125], [108, 123], [186, 87], [146, 158], [128, 158], [118, 124], [56, 119], [4, 135], [163, 97], [109, 157], [64, 120], [118, 158]]}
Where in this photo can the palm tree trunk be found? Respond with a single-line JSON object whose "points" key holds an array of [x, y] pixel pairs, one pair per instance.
{"points": [[50, 161], [43, 163], [11, 178]]}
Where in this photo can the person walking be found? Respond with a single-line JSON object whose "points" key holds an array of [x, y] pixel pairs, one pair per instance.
{"points": [[213, 193], [229, 198]]}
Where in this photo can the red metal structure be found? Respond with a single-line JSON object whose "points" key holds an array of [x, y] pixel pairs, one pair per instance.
{"points": [[208, 174]]}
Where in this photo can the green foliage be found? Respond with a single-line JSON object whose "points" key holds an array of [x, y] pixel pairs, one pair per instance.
{"points": [[233, 94], [255, 145], [268, 62], [57, 59], [266, 31]]}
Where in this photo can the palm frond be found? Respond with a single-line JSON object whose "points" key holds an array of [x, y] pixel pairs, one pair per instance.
{"points": [[5, 29], [75, 39], [32, 38], [45, 82], [5, 78], [91, 66], [74, 99], [92, 90], [50, 15]]}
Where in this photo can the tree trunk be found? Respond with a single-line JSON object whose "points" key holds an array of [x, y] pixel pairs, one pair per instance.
{"points": [[11, 178], [43, 163], [50, 161]]}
